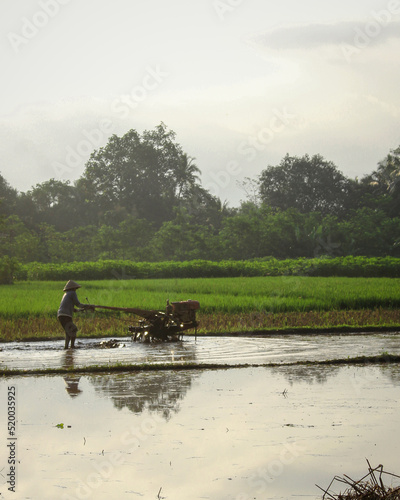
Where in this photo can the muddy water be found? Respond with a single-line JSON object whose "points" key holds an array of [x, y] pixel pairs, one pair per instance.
{"points": [[220, 350], [249, 433], [225, 434]]}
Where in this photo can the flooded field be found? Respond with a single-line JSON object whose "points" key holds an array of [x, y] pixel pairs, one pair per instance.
{"points": [[224, 434], [219, 350]]}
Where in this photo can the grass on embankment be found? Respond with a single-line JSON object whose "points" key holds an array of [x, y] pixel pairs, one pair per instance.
{"points": [[28, 309], [383, 358]]}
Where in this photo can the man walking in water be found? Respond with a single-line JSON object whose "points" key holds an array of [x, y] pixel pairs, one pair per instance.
{"points": [[66, 311]]}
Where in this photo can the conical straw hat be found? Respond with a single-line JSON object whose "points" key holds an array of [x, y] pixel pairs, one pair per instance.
{"points": [[71, 285]]}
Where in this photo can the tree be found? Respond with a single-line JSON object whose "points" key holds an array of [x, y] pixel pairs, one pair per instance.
{"points": [[206, 209], [18, 241], [141, 174], [384, 183], [260, 231], [306, 184], [371, 233], [79, 244], [183, 239], [55, 204], [8, 266], [107, 242], [186, 176], [8, 197], [134, 234], [251, 188], [241, 234]]}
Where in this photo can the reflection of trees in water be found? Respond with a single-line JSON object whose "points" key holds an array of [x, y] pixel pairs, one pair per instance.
{"points": [[320, 373], [311, 374], [391, 371], [154, 391]]}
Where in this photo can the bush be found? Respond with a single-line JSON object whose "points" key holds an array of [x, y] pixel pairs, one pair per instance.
{"points": [[8, 266], [124, 269]]}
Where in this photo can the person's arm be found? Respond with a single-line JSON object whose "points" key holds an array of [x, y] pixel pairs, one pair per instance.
{"points": [[80, 305]]}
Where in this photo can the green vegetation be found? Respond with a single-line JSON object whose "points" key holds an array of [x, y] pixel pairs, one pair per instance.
{"points": [[304, 250], [125, 367], [232, 295], [242, 304], [140, 198], [8, 268], [123, 269]]}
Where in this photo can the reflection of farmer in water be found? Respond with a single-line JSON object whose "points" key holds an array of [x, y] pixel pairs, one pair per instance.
{"points": [[71, 380], [66, 311]]}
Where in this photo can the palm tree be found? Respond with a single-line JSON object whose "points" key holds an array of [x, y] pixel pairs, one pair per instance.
{"points": [[186, 176]]}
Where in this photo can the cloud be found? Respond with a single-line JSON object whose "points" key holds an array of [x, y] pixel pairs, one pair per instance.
{"points": [[314, 36], [50, 140]]}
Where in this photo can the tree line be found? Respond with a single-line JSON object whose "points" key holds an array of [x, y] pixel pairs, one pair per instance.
{"points": [[140, 198]]}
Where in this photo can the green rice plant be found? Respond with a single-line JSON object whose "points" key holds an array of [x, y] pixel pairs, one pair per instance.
{"points": [[223, 295]]}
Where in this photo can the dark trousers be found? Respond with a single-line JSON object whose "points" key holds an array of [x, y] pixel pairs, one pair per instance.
{"points": [[70, 330]]}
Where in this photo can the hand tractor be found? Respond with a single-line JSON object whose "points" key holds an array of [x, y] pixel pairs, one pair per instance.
{"points": [[167, 325]]}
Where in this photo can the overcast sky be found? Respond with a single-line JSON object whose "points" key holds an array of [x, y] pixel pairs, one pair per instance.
{"points": [[241, 82]]}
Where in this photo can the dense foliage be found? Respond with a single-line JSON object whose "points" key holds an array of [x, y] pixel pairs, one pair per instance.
{"points": [[140, 199], [128, 270]]}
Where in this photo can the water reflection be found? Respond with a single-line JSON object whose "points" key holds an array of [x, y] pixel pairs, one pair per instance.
{"points": [[71, 380], [311, 374], [320, 374], [392, 372], [154, 391], [225, 435]]}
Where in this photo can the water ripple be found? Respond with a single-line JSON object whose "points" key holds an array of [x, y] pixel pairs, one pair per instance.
{"points": [[218, 350]]}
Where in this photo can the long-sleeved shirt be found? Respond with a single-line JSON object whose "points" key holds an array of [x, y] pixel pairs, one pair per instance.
{"points": [[69, 300]]}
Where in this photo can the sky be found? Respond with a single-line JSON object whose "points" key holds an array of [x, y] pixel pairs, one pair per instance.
{"points": [[242, 83]]}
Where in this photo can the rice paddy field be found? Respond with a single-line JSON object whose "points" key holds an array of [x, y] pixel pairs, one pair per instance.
{"points": [[28, 309]]}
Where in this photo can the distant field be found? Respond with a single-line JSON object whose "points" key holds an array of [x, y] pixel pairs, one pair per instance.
{"points": [[227, 295], [226, 303]]}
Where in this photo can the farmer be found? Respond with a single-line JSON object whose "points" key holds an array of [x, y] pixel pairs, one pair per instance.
{"points": [[66, 311]]}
